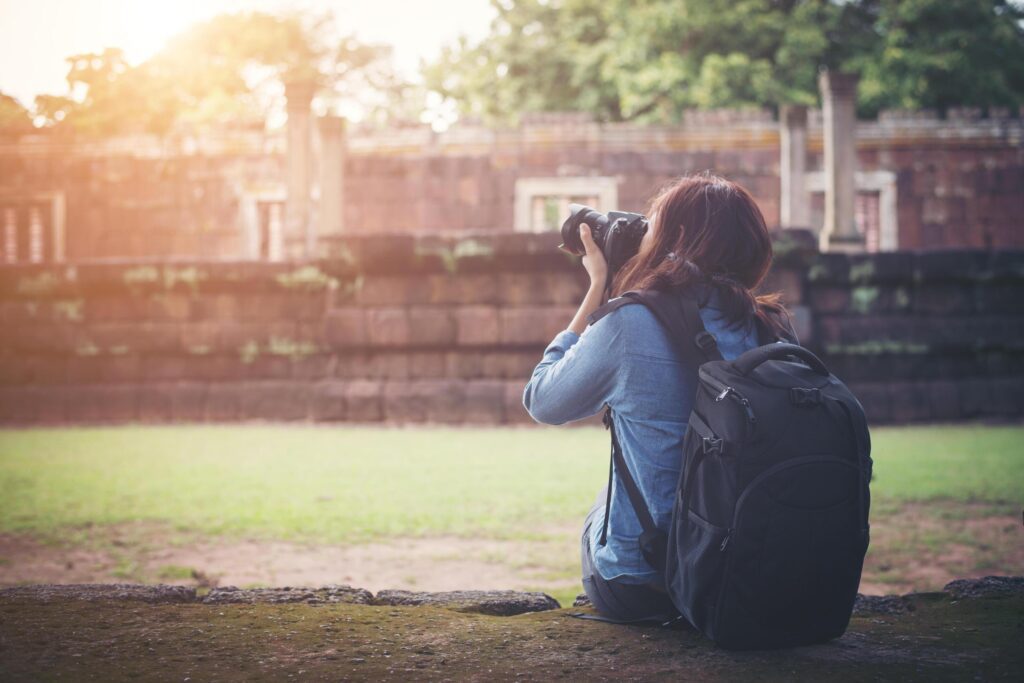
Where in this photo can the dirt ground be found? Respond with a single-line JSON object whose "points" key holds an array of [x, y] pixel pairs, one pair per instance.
{"points": [[914, 549]]}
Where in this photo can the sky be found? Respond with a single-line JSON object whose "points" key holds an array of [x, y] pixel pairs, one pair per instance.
{"points": [[36, 35]]}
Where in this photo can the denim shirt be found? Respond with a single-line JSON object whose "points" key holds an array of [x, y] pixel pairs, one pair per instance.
{"points": [[627, 361]]}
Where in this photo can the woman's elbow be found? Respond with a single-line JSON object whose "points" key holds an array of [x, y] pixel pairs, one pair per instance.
{"points": [[540, 410]]}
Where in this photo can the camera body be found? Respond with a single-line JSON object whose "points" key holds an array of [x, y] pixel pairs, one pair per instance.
{"points": [[616, 234]]}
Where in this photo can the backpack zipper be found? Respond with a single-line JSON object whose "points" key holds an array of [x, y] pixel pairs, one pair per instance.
{"points": [[725, 390]]}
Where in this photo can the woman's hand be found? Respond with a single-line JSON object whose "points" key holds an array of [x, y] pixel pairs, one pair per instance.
{"points": [[593, 260], [597, 268]]}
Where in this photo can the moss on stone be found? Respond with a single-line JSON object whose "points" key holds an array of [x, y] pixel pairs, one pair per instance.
{"points": [[39, 284], [308, 277], [939, 639], [876, 347], [69, 310], [862, 299]]}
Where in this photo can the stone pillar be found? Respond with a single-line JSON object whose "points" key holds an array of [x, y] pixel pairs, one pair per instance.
{"points": [[332, 176], [298, 223], [794, 209], [838, 95]]}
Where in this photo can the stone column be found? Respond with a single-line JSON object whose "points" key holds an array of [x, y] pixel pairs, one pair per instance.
{"points": [[794, 210], [838, 95], [332, 176], [299, 95]]}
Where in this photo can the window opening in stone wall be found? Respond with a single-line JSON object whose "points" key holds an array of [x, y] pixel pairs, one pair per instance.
{"points": [[27, 234], [550, 211], [866, 213]]}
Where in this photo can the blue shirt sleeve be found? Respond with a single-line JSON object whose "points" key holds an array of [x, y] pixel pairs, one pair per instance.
{"points": [[577, 375]]}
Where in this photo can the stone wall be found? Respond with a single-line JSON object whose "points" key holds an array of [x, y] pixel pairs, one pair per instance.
{"points": [[955, 182], [403, 329]]}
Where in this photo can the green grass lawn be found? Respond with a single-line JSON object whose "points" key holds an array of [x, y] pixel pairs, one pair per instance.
{"points": [[943, 496], [351, 484]]}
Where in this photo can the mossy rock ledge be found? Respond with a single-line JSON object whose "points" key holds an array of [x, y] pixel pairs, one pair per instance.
{"points": [[972, 630]]}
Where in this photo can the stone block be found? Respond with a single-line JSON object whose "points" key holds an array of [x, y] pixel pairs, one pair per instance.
{"points": [[432, 326], [199, 337], [908, 401], [514, 412], [445, 400], [329, 401], [224, 401], [217, 306], [188, 401], [388, 327], [364, 400], [346, 328], [275, 400], [427, 365], [829, 299], [117, 308], [944, 400], [32, 405], [477, 325], [533, 326], [385, 290], [169, 307], [101, 403], [406, 402], [484, 402], [940, 298], [523, 289]]}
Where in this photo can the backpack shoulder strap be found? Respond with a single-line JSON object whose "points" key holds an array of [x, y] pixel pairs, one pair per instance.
{"points": [[679, 314], [612, 305]]}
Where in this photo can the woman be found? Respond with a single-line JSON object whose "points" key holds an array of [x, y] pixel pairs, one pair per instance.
{"points": [[707, 237]]}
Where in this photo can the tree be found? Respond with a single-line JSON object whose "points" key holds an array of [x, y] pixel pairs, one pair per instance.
{"points": [[227, 70], [14, 118], [649, 60], [945, 54]]}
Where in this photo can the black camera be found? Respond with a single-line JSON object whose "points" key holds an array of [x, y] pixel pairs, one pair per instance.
{"points": [[617, 235]]}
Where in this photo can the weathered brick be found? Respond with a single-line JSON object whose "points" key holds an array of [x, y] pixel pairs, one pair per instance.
{"points": [[484, 402], [535, 326], [431, 326], [275, 400], [388, 326], [346, 328], [477, 325], [385, 290], [170, 307], [329, 402], [364, 400], [427, 365], [102, 403], [514, 410], [32, 405], [224, 401], [830, 299]]}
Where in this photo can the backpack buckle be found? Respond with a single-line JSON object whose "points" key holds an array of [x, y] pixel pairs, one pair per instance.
{"points": [[705, 341], [711, 445], [799, 396]]}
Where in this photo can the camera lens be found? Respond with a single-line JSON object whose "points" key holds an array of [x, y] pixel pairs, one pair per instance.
{"points": [[578, 214]]}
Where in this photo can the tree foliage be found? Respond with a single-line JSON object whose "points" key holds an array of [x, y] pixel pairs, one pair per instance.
{"points": [[651, 59], [14, 118], [227, 70]]}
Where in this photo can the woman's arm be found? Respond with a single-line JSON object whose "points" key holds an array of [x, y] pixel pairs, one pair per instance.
{"points": [[597, 268], [579, 370]]}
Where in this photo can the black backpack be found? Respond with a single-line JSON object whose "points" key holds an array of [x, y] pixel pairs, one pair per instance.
{"points": [[770, 521]]}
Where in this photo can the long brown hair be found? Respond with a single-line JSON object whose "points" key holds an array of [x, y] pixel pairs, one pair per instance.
{"points": [[708, 230]]}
